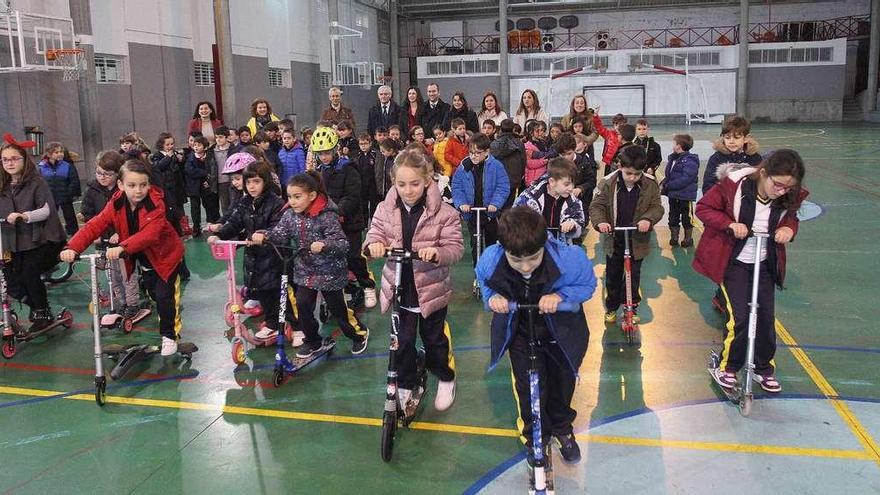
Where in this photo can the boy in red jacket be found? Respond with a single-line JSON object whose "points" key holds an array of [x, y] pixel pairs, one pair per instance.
{"points": [[611, 136], [137, 213]]}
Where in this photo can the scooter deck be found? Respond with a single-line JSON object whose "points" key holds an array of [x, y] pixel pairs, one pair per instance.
{"points": [[132, 354], [733, 394], [299, 363], [26, 336]]}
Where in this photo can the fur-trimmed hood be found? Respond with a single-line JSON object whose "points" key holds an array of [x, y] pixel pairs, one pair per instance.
{"points": [[735, 171], [751, 146]]}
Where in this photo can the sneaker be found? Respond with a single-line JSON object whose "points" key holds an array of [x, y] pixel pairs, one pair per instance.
{"points": [[266, 333], [611, 316], [445, 395], [768, 383], [169, 347], [307, 350], [724, 379], [41, 318], [568, 447], [360, 346], [370, 297], [403, 396], [130, 312], [298, 338]]}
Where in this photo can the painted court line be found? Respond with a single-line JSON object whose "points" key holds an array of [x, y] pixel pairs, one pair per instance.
{"points": [[453, 428]]}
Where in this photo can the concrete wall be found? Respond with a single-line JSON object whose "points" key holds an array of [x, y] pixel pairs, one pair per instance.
{"points": [[40, 99], [804, 94]]}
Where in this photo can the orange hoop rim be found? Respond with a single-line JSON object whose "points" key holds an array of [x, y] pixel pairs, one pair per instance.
{"points": [[55, 53]]}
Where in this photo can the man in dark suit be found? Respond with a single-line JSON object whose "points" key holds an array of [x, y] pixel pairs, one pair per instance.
{"points": [[435, 110], [385, 113]]}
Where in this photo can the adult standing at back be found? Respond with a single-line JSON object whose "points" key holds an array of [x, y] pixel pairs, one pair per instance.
{"points": [[261, 114], [490, 110], [578, 108], [435, 109], [385, 112], [461, 111], [530, 109], [337, 112], [413, 107], [204, 120]]}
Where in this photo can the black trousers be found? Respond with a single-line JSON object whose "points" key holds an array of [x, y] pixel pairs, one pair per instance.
{"points": [[223, 193], [557, 387], [212, 209], [70, 223], [307, 298], [488, 229], [23, 274], [737, 289], [437, 340], [357, 263], [166, 295], [615, 288], [680, 213]]}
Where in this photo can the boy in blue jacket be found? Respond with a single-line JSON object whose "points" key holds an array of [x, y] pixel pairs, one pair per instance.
{"points": [[480, 181], [63, 181], [680, 186], [529, 268], [291, 156]]}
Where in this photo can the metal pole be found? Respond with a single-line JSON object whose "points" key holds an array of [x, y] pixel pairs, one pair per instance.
{"points": [[742, 72], [395, 48], [503, 68], [873, 57], [223, 36], [87, 87]]}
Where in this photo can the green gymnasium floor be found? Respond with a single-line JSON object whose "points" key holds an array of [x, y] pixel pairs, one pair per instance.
{"points": [[649, 421]]}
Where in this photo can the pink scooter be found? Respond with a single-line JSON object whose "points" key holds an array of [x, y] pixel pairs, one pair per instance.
{"points": [[243, 339]]}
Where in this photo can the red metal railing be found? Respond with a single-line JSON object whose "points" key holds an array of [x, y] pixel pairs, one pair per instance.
{"points": [[851, 27]]}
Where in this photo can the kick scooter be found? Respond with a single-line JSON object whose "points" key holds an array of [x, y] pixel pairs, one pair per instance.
{"points": [[478, 238], [629, 326]]}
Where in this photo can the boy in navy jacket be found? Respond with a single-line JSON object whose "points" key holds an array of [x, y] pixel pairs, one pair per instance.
{"points": [[680, 186], [63, 181], [528, 268]]}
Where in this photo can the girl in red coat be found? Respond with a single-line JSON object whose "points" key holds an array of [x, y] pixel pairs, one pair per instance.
{"points": [[760, 199], [413, 216], [137, 212]]}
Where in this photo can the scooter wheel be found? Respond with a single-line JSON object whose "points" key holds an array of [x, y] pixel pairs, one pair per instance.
{"points": [[389, 428], [101, 390], [278, 376], [239, 355], [67, 316], [9, 348], [127, 325]]}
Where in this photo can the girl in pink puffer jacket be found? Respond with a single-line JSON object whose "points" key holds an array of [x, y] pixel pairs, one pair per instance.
{"points": [[413, 216]]}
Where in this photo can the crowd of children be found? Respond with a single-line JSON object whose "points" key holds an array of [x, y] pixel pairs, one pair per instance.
{"points": [[310, 198]]}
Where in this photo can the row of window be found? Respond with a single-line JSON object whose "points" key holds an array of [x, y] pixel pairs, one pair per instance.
{"points": [[544, 64], [677, 59], [463, 67], [791, 55], [111, 70]]}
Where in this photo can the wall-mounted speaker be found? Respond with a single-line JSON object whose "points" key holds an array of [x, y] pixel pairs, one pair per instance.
{"points": [[547, 42]]}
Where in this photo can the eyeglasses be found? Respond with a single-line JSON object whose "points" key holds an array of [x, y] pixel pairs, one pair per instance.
{"points": [[779, 186], [14, 159], [478, 152], [101, 173]]}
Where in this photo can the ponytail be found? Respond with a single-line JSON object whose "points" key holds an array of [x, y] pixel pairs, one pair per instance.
{"points": [[309, 181]]}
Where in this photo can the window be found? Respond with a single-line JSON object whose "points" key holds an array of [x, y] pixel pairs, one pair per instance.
{"points": [[677, 59], [204, 72], [791, 55], [325, 80], [361, 20], [109, 70], [477, 66], [279, 78], [546, 64], [383, 27]]}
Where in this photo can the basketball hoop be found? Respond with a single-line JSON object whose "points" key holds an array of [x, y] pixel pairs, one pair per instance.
{"points": [[71, 60]]}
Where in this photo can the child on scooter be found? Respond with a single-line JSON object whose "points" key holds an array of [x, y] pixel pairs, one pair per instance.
{"points": [[527, 267], [415, 214], [137, 213], [98, 193], [260, 209], [627, 198], [320, 260], [36, 233], [551, 196], [754, 199], [480, 181]]}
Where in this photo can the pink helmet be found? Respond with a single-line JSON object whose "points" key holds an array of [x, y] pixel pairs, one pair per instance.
{"points": [[237, 162]]}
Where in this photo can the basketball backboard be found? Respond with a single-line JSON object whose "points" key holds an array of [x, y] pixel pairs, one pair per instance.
{"points": [[26, 39]]}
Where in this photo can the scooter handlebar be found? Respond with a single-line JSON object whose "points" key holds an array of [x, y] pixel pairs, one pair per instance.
{"points": [[625, 228], [400, 253], [565, 307]]}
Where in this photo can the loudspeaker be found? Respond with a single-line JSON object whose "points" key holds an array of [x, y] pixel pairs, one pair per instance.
{"points": [[547, 42], [603, 40]]}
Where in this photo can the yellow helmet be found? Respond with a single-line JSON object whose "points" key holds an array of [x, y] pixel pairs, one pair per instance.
{"points": [[323, 139]]}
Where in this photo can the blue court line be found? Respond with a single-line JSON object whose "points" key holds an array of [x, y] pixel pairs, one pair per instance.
{"points": [[114, 386], [498, 470]]}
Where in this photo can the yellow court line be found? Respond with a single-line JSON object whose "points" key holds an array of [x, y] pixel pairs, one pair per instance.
{"points": [[824, 386], [456, 429]]}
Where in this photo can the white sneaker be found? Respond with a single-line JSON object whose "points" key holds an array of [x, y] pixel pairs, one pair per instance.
{"points": [[169, 347], [251, 304], [445, 395], [298, 338], [370, 298], [403, 396], [266, 333]]}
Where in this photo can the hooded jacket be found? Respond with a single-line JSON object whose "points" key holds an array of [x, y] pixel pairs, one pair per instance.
{"points": [[747, 157], [603, 209], [680, 179], [496, 187], [510, 150], [262, 266], [572, 208], [438, 227], [343, 184]]}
